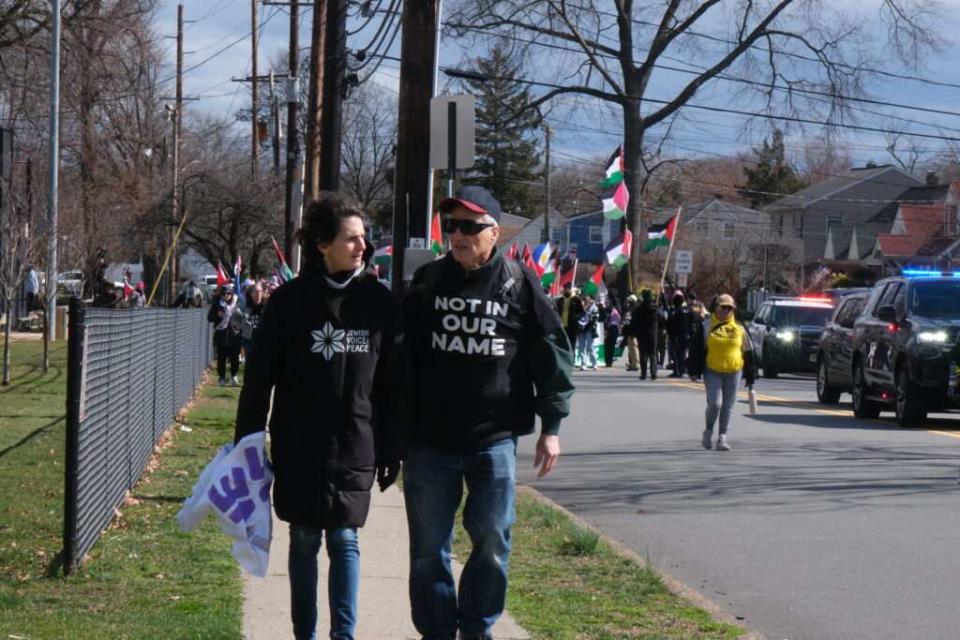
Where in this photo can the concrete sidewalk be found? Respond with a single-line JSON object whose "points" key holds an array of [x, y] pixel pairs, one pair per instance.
{"points": [[384, 564]]}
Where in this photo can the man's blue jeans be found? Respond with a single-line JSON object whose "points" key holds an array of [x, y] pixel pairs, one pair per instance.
{"points": [[433, 487], [342, 584]]}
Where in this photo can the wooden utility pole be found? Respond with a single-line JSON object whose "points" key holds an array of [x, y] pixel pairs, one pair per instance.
{"points": [[292, 200], [334, 67], [275, 116], [313, 140], [175, 188], [255, 102], [411, 177]]}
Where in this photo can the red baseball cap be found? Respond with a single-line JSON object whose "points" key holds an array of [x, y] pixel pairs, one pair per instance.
{"points": [[448, 205]]}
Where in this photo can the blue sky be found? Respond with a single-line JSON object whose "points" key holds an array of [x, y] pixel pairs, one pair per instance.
{"points": [[585, 128]]}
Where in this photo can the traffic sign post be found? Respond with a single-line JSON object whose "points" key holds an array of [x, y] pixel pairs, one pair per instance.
{"points": [[683, 262]]}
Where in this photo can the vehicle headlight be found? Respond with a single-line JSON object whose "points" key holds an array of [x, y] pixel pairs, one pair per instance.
{"points": [[786, 336], [933, 337]]}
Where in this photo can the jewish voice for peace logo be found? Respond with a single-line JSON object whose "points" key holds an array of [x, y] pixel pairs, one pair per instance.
{"points": [[327, 341]]}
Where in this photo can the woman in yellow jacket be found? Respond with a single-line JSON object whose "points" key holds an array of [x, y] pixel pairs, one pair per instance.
{"points": [[726, 355]]}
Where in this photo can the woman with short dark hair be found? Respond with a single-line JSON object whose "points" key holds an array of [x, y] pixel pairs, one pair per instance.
{"points": [[323, 348]]}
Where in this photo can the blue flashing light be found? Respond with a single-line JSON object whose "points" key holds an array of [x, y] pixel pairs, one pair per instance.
{"points": [[956, 274], [922, 273]]}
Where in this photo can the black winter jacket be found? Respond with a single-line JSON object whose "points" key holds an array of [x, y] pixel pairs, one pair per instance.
{"points": [[326, 355], [485, 352], [645, 324]]}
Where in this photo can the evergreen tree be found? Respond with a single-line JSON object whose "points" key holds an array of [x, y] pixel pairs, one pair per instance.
{"points": [[507, 155], [771, 178]]}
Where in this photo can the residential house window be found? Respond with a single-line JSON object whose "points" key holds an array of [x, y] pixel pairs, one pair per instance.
{"points": [[729, 230], [703, 226], [596, 234], [833, 220]]}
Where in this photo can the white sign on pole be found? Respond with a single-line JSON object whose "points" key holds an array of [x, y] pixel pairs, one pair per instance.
{"points": [[681, 279], [462, 115], [683, 262]]}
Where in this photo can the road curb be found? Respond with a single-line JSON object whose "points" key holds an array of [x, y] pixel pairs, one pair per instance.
{"points": [[675, 586]]}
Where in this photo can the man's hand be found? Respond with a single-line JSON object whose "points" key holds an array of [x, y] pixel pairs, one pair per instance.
{"points": [[387, 473], [548, 451]]}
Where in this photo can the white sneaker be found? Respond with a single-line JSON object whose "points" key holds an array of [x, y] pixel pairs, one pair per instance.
{"points": [[722, 443], [594, 367], [707, 439], [234, 381]]}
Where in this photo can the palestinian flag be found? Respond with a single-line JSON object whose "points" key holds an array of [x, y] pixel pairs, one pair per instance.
{"points": [[549, 277], [618, 251], [222, 278], [595, 284], [286, 275], [615, 202], [436, 237], [614, 173], [660, 235], [513, 252], [541, 259], [383, 255], [568, 269]]}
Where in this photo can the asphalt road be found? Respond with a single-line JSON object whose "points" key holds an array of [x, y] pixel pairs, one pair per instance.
{"points": [[816, 526]]}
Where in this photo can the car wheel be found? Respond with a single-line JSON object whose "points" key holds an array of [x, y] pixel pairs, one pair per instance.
{"points": [[826, 394], [911, 411], [863, 407]]}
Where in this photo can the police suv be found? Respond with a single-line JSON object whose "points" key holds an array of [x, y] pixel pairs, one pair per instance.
{"points": [[785, 333], [905, 347]]}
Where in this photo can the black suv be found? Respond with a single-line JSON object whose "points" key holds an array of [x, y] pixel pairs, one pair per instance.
{"points": [[905, 348], [835, 351], [785, 333]]}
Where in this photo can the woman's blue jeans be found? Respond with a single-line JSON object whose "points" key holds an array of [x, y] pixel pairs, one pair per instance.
{"points": [[433, 484], [342, 584]]}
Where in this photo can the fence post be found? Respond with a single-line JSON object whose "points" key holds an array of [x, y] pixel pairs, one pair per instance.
{"points": [[72, 452]]}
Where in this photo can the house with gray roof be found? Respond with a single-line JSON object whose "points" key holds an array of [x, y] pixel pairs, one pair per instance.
{"points": [[859, 200]]}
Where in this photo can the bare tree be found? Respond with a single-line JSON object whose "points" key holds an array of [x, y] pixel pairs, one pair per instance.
{"points": [[369, 137], [20, 20], [785, 49], [21, 247]]}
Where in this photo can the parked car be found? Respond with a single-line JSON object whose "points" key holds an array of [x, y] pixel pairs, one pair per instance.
{"points": [[210, 282], [785, 333], [905, 349], [70, 284], [835, 349]]}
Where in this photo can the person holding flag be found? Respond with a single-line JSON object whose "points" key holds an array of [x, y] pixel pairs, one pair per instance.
{"points": [[322, 377], [226, 336]]}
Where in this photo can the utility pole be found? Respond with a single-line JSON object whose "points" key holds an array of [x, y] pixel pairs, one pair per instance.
{"points": [[314, 110], [411, 178], [546, 181], [175, 182], [255, 102], [292, 204], [54, 178], [275, 116], [335, 62]]}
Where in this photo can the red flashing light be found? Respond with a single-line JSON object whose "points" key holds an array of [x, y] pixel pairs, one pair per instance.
{"points": [[885, 396], [893, 327], [816, 299]]}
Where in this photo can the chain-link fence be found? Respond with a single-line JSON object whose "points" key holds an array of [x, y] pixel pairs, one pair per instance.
{"points": [[129, 373]]}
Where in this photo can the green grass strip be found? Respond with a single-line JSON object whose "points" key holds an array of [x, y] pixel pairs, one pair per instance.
{"points": [[143, 578], [566, 583]]}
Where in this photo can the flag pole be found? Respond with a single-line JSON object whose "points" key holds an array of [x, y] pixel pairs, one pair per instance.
{"points": [[666, 264]]}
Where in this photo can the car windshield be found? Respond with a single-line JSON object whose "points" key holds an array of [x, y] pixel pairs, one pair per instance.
{"points": [[936, 299], [799, 316]]}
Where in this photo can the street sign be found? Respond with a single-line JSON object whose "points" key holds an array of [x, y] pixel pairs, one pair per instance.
{"points": [[683, 262], [681, 279], [456, 114]]}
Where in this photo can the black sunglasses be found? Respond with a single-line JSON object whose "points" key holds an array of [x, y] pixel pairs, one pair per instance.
{"points": [[466, 227]]}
